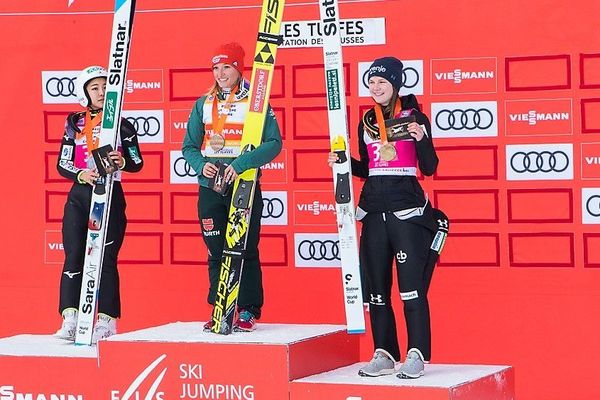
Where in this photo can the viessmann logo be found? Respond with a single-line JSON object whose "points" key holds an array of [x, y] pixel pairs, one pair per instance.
{"points": [[464, 75], [144, 86], [153, 393], [9, 392], [539, 117]]}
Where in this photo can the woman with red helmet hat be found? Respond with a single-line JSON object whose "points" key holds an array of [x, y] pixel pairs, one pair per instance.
{"points": [[398, 223], [75, 163], [213, 138]]}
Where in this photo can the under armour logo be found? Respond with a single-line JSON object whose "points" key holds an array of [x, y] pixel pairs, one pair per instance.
{"points": [[442, 223], [71, 274], [376, 299], [401, 257], [129, 139]]}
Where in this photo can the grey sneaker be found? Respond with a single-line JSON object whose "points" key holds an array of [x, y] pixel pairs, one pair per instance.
{"points": [[413, 367], [381, 364]]}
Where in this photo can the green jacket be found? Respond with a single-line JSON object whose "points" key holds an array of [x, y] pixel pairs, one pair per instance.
{"points": [[263, 154]]}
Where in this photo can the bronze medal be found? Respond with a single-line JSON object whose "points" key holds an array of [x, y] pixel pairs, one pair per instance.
{"points": [[387, 152], [216, 142]]}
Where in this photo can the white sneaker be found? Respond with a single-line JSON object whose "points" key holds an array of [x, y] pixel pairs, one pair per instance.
{"points": [[69, 325], [105, 326], [381, 364]]}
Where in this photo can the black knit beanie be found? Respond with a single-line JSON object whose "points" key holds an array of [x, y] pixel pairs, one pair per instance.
{"points": [[389, 68]]}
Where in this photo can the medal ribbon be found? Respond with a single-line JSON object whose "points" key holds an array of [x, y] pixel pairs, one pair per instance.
{"points": [[381, 121], [90, 123], [219, 119]]}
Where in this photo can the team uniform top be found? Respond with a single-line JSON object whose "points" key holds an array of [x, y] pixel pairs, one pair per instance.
{"points": [[196, 145], [75, 157], [393, 185]]}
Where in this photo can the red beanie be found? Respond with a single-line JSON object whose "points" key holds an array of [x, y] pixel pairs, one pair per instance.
{"points": [[230, 53]]}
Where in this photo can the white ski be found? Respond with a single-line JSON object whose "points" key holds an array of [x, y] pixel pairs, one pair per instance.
{"points": [[101, 197], [342, 174]]}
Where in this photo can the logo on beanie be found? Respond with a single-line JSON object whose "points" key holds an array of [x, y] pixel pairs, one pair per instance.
{"points": [[377, 69], [217, 59]]}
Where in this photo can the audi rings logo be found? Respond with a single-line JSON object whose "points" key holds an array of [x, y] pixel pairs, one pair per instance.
{"points": [[148, 124], [411, 78], [318, 250], [468, 119], [540, 161], [543, 161], [592, 205], [462, 119], [145, 126], [58, 87], [181, 171], [272, 208], [182, 168]]}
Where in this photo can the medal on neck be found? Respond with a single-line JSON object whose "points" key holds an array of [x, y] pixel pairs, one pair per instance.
{"points": [[217, 139], [387, 150]]}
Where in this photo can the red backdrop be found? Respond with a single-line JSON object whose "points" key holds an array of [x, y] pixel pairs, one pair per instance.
{"points": [[513, 91]]}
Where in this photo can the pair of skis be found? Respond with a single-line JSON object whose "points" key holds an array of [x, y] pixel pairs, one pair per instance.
{"points": [[102, 193], [243, 191]]}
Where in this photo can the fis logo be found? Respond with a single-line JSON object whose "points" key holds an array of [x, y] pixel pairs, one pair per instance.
{"points": [[132, 392]]}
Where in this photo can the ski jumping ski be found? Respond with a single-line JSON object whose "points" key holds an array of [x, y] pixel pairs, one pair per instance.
{"points": [[238, 220], [101, 197], [342, 173]]}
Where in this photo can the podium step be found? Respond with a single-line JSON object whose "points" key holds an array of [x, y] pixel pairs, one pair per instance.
{"points": [[447, 382], [180, 361], [44, 367]]}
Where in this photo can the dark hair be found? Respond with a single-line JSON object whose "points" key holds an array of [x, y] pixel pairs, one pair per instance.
{"points": [[388, 111]]}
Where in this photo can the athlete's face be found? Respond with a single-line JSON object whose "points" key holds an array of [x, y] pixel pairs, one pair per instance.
{"points": [[95, 89], [381, 90], [225, 75]]}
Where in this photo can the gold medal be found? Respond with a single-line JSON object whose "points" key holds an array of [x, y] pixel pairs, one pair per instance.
{"points": [[387, 152], [216, 142]]}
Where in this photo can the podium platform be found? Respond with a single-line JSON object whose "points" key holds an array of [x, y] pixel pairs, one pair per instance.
{"points": [[44, 367], [180, 361], [440, 382]]}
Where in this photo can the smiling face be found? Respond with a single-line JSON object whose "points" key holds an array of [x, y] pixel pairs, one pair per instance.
{"points": [[225, 75], [381, 90], [95, 89]]}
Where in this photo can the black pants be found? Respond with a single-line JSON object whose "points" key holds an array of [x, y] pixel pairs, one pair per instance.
{"points": [[213, 210], [384, 239], [74, 232]]}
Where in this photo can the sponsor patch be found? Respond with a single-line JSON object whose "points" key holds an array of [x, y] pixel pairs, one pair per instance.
{"points": [[438, 241], [133, 153], [208, 224], [409, 295], [67, 152]]}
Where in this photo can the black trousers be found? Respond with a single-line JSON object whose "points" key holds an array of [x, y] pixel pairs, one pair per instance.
{"points": [[74, 232], [386, 239], [213, 210]]}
